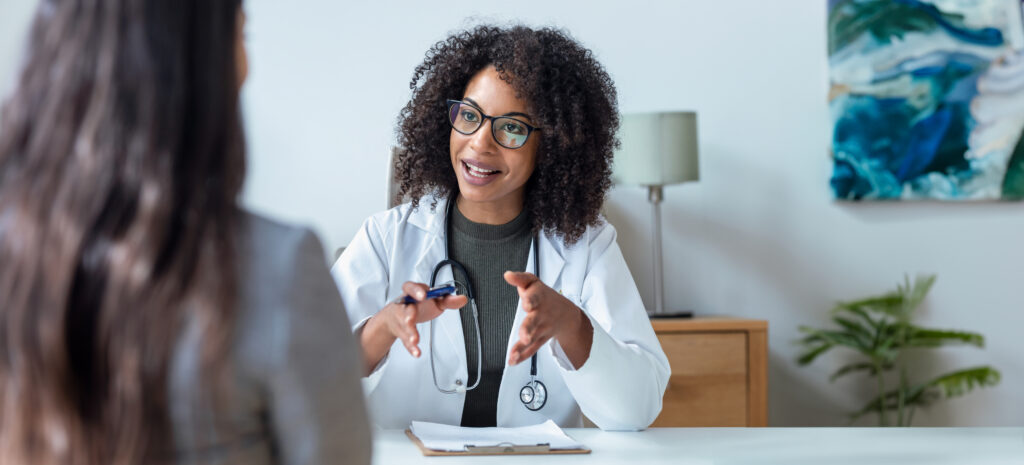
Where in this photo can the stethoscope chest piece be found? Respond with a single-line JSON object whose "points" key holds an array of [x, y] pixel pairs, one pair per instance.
{"points": [[534, 395]]}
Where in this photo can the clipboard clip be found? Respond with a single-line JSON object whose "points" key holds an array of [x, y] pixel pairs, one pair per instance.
{"points": [[508, 448]]}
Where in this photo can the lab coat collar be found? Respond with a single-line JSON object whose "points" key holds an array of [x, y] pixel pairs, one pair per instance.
{"points": [[428, 219]]}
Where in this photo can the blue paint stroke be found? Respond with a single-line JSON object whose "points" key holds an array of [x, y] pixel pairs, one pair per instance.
{"points": [[882, 144], [932, 64], [985, 36], [923, 144]]}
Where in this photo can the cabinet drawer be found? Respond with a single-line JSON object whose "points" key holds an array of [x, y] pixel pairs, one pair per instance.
{"points": [[708, 386], [705, 353]]}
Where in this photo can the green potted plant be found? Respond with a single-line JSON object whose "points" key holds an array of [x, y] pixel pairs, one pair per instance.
{"points": [[880, 330]]}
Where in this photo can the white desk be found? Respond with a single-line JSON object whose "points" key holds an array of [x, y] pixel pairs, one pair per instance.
{"points": [[728, 446]]}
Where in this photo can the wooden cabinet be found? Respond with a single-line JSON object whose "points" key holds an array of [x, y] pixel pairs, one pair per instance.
{"points": [[719, 371]]}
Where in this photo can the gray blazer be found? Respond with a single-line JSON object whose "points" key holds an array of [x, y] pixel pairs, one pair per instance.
{"points": [[294, 394]]}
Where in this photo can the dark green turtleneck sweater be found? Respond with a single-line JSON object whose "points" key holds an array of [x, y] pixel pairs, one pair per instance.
{"points": [[487, 252]]}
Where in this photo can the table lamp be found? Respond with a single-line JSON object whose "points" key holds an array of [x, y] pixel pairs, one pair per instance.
{"points": [[657, 149]]}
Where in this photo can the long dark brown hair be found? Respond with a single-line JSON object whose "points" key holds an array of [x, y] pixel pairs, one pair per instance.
{"points": [[121, 160]]}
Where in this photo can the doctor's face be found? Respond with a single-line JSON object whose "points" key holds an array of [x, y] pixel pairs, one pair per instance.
{"points": [[488, 172]]}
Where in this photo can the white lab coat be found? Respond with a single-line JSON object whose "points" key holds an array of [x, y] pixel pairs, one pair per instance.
{"points": [[620, 387]]}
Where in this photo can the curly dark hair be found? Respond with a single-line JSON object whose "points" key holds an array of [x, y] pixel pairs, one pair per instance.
{"points": [[570, 94]]}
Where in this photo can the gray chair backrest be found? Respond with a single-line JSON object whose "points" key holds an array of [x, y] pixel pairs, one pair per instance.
{"points": [[392, 193]]}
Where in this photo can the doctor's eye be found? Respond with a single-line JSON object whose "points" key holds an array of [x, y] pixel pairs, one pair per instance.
{"points": [[512, 127], [469, 116]]}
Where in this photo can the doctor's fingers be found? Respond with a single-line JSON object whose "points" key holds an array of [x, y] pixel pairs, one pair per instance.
{"points": [[531, 298], [418, 291], [536, 328], [452, 302], [428, 310], [523, 350], [520, 279], [404, 328]]}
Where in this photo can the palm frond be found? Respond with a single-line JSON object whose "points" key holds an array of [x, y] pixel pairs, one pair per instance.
{"points": [[925, 394], [812, 353], [865, 335], [836, 338], [914, 294], [860, 312], [911, 398], [855, 367], [887, 304], [888, 341], [925, 337], [961, 382]]}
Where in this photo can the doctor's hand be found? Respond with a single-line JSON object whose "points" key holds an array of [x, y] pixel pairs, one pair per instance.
{"points": [[398, 321], [549, 315]]}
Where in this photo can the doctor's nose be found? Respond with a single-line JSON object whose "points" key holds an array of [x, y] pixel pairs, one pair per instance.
{"points": [[482, 141]]}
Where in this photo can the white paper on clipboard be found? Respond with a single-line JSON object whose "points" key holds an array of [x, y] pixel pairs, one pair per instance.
{"points": [[455, 438]]}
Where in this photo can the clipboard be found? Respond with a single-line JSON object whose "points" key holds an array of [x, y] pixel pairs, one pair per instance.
{"points": [[501, 449]]}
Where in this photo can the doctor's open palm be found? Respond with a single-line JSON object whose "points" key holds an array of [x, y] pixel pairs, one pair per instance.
{"points": [[549, 315]]}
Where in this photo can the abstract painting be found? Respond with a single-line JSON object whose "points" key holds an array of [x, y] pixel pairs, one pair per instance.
{"points": [[926, 99]]}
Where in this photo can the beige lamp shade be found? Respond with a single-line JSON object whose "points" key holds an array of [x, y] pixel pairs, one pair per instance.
{"points": [[657, 149]]}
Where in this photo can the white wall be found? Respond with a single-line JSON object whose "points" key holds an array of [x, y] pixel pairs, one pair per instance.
{"points": [[15, 16], [757, 237]]}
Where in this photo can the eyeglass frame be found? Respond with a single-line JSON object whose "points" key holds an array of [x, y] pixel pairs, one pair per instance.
{"points": [[529, 127]]}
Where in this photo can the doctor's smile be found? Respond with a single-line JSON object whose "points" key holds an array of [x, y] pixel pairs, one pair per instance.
{"points": [[475, 173]]}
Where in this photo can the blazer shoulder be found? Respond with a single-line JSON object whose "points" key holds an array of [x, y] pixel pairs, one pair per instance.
{"points": [[270, 254]]}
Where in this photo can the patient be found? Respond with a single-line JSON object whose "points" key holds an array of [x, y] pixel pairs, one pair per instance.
{"points": [[144, 317]]}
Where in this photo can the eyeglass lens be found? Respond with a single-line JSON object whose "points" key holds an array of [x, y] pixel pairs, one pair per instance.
{"points": [[508, 132]]}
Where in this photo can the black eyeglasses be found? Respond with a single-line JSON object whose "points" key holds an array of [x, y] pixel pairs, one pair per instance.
{"points": [[507, 131]]}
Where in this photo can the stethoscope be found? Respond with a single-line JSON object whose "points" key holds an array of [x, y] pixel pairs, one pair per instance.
{"points": [[534, 394]]}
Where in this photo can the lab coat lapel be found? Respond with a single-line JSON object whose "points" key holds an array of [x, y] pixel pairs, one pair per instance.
{"points": [[450, 346]]}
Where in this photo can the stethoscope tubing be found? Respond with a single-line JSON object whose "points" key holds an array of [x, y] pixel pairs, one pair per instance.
{"points": [[456, 266]]}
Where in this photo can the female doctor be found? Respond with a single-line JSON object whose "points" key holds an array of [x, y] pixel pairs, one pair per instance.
{"points": [[508, 142]]}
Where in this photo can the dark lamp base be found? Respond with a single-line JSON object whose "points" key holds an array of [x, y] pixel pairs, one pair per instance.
{"points": [[683, 314]]}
